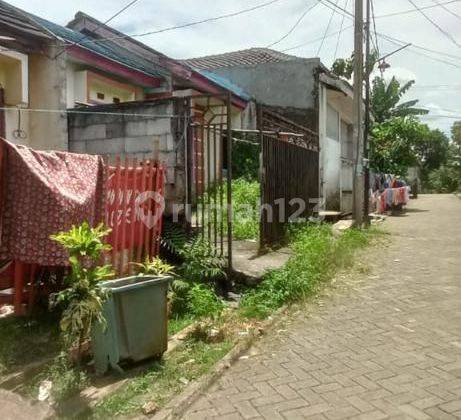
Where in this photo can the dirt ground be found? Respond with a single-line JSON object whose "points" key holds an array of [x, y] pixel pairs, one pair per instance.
{"points": [[384, 343]]}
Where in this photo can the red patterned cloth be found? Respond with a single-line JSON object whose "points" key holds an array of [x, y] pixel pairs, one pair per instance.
{"points": [[44, 193]]}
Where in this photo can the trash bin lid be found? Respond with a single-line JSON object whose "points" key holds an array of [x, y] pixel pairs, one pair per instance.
{"points": [[134, 282]]}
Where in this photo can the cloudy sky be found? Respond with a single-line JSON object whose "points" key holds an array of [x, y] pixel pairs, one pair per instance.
{"points": [[437, 74]]}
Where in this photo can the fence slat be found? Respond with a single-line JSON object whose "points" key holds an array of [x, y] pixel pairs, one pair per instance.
{"points": [[117, 176], [133, 215]]}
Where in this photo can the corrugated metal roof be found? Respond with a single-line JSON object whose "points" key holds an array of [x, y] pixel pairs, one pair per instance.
{"points": [[12, 18], [105, 48], [250, 57], [225, 83]]}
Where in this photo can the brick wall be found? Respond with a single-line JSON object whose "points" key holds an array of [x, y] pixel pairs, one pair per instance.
{"points": [[135, 130]]}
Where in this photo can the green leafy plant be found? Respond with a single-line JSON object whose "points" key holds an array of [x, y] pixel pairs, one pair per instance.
{"points": [[83, 297], [154, 267], [317, 255], [201, 264], [67, 380], [203, 302]]}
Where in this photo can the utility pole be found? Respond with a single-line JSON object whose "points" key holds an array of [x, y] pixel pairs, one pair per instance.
{"points": [[358, 114], [368, 69]]}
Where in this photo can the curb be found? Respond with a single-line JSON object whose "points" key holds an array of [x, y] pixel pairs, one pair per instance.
{"points": [[176, 408]]}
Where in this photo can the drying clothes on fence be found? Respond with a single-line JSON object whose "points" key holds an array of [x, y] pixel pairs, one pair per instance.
{"points": [[44, 193], [390, 197]]}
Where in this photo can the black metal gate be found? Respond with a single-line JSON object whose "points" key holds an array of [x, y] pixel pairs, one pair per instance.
{"points": [[290, 186], [209, 173]]}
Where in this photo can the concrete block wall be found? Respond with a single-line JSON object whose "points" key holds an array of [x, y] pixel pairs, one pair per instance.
{"points": [[128, 129]]}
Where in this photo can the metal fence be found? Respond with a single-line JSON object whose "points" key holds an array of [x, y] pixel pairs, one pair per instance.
{"points": [[209, 174], [289, 186]]}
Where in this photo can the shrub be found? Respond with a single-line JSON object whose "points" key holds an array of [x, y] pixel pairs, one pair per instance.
{"points": [[203, 302], [245, 202], [317, 254], [66, 379], [445, 180], [83, 298]]}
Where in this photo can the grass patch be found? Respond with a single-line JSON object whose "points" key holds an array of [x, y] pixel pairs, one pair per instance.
{"points": [[245, 201], [318, 255], [245, 207], [24, 341], [176, 324], [164, 379]]}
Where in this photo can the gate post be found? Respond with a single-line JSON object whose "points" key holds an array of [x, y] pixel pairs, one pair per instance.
{"points": [[229, 183]]}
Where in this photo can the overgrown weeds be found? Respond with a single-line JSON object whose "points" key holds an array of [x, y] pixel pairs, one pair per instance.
{"points": [[164, 379], [317, 256]]}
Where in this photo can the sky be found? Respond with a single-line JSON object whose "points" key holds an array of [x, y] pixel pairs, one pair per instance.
{"points": [[438, 83]]}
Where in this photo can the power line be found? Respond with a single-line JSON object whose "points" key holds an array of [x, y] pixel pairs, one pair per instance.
{"points": [[303, 15], [434, 23], [330, 5], [457, 57], [119, 12], [313, 41], [326, 30], [447, 9], [336, 8], [187, 25], [410, 11], [374, 25], [77, 111], [436, 86], [340, 30], [400, 43]]}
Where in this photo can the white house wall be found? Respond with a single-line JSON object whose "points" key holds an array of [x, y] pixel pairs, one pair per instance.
{"points": [[336, 170]]}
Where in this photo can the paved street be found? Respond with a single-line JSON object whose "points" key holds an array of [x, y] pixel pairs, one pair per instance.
{"points": [[385, 344]]}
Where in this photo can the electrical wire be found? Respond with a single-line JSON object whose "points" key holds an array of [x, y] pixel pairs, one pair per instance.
{"points": [[336, 8], [447, 9], [119, 12], [313, 41], [401, 43], [410, 11], [188, 25], [77, 111], [436, 86], [340, 30], [374, 26], [434, 23], [326, 30], [456, 57], [303, 15]]}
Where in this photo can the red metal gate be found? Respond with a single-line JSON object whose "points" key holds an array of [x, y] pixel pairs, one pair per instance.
{"points": [[134, 209]]}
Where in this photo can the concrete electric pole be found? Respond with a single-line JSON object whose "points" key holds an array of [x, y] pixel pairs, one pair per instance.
{"points": [[368, 69], [358, 203]]}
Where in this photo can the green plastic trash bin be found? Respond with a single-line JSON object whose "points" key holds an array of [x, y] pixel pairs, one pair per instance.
{"points": [[136, 322]]}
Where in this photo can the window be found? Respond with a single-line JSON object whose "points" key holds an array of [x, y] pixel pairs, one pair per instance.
{"points": [[100, 95], [332, 123]]}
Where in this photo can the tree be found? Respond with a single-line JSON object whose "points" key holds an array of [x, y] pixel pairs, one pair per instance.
{"points": [[385, 98], [456, 133], [391, 145], [431, 149], [401, 142], [344, 67]]}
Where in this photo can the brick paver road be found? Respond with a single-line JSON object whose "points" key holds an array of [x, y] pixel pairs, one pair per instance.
{"points": [[385, 345]]}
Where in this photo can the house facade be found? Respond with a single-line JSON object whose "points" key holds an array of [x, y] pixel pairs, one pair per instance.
{"points": [[304, 91], [88, 88]]}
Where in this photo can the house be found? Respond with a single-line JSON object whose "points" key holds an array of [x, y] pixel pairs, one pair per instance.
{"points": [[91, 89], [304, 91]]}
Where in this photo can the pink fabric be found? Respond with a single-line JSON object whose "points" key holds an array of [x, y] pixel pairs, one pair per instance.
{"points": [[45, 193]]}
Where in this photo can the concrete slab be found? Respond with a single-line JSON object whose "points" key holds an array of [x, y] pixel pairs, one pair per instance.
{"points": [[250, 265]]}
